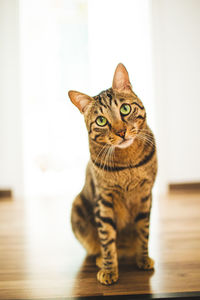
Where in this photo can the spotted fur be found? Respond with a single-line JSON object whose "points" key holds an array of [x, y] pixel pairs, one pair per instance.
{"points": [[110, 216]]}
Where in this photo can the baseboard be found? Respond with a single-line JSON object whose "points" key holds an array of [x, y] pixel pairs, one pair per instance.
{"points": [[5, 194], [184, 187]]}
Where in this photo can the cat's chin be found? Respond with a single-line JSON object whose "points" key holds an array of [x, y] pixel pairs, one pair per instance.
{"points": [[125, 143]]}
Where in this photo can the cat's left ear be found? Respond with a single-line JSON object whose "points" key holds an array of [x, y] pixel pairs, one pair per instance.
{"points": [[80, 100], [121, 81]]}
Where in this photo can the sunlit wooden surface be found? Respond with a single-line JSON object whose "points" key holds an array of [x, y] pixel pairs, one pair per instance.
{"points": [[40, 258]]}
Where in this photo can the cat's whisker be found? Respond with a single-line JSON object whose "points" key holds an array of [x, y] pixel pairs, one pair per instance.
{"points": [[108, 164], [149, 136], [105, 159], [146, 133], [146, 136], [101, 155], [112, 155], [146, 139], [103, 148], [143, 135]]}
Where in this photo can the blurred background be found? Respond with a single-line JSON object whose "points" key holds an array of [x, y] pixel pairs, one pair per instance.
{"points": [[48, 47]]}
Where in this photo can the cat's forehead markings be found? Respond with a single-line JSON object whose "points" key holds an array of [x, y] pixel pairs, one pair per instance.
{"points": [[109, 96], [102, 101], [115, 101], [101, 110]]}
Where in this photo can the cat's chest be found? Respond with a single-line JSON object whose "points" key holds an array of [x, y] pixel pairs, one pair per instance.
{"points": [[126, 207], [125, 181], [127, 201], [125, 189]]}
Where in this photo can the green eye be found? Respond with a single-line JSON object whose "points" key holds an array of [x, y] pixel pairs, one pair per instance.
{"points": [[125, 109], [101, 121]]}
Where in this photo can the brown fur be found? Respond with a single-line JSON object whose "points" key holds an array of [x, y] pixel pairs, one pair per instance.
{"points": [[110, 217]]}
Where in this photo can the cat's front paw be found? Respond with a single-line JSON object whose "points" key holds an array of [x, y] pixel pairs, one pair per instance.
{"points": [[107, 277], [145, 263]]}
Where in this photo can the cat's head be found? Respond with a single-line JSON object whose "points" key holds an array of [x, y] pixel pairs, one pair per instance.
{"points": [[115, 116]]}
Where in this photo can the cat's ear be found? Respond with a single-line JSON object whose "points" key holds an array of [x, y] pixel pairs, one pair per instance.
{"points": [[121, 81], [80, 100]]}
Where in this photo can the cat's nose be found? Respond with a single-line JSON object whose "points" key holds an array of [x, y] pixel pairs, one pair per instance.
{"points": [[121, 133]]}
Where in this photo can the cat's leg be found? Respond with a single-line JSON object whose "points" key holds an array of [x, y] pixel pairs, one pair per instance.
{"points": [[83, 224], [143, 260], [105, 222]]}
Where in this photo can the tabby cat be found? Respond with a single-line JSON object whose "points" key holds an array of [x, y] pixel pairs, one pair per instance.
{"points": [[110, 216]]}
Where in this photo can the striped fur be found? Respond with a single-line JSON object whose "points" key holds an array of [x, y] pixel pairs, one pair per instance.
{"points": [[110, 216]]}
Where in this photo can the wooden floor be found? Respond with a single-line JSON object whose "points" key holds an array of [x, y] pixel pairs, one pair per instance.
{"points": [[41, 259]]}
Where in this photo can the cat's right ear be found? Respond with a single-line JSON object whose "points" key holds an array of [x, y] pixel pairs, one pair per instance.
{"points": [[121, 81], [80, 100]]}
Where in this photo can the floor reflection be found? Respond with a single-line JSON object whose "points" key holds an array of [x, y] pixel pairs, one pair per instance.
{"points": [[130, 278]]}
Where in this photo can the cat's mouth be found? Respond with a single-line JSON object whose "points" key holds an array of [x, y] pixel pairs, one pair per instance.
{"points": [[125, 143]]}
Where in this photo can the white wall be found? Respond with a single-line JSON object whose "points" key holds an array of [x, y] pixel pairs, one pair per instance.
{"points": [[10, 107], [176, 41]]}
